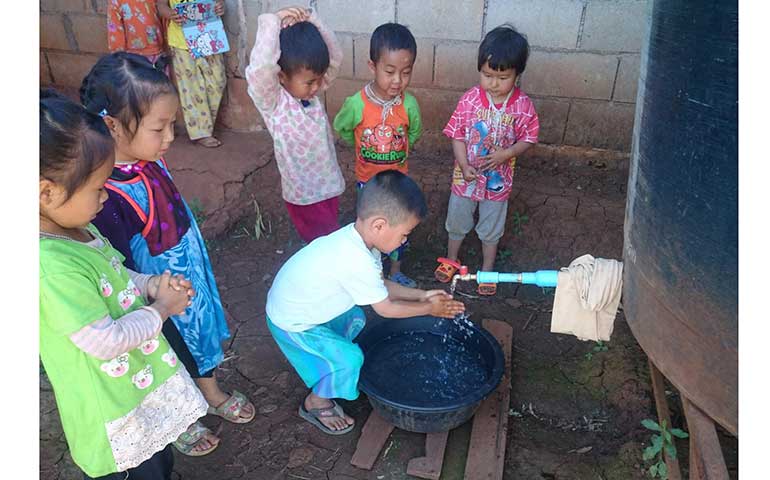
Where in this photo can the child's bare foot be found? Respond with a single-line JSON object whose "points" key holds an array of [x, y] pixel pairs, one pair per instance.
{"points": [[209, 142], [328, 413]]}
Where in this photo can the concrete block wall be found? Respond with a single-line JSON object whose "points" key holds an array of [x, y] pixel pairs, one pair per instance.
{"points": [[582, 73]]}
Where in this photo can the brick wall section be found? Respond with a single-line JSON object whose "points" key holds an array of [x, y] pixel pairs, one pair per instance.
{"points": [[582, 73]]}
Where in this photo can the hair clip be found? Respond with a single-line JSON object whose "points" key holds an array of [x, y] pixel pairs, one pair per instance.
{"points": [[103, 113]]}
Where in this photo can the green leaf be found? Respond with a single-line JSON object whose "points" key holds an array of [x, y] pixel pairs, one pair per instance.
{"points": [[648, 454], [678, 433], [651, 425], [663, 424], [671, 450], [654, 470], [657, 443], [663, 470], [667, 434]]}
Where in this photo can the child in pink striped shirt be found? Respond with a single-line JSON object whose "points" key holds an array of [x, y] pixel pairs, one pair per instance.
{"points": [[294, 58]]}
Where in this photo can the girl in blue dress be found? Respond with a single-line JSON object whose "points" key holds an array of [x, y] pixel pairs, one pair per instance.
{"points": [[148, 221]]}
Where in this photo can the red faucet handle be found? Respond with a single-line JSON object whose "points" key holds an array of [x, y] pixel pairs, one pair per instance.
{"points": [[454, 263], [463, 270]]}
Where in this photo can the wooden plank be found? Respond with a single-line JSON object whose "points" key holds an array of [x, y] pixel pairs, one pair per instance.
{"points": [[373, 437], [430, 465], [486, 453], [661, 405], [707, 461]]}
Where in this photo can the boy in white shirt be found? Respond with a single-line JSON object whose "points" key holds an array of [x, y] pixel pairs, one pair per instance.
{"points": [[313, 308]]}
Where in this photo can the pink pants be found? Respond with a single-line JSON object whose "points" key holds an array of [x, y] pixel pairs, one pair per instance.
{"points": [[315, 220]]}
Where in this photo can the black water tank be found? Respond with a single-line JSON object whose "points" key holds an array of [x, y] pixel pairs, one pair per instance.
{"points": [[681, 231]]}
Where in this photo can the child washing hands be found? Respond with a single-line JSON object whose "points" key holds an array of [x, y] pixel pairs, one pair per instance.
{"points": [[122, 397], [313, 308], [295, 57]]}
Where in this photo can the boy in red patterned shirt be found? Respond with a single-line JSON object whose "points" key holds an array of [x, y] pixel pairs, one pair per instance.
{"points": [[494, 122]]}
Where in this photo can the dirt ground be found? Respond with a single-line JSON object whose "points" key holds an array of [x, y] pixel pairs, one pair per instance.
{"points": [[575, 409]]}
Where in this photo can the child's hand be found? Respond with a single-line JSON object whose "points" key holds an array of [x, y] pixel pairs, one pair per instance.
{"points": [[291, 15], [494, 159], [168, 300], [433, 293], [176, 18], [469, 173], [443, 306], [219, 7], [181, 284]]}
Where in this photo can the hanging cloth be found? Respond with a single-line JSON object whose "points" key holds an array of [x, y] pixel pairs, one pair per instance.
{"points": [[587, 297]]}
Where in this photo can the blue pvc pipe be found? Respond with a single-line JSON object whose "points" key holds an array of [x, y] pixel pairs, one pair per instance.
{"points": [[541, 278]]}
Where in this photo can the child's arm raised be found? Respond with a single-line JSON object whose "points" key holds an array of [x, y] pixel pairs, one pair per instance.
{"points": [[335, 52], [262, 71]]}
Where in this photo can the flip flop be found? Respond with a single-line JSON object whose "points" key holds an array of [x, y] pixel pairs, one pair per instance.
{"points": [[314, 414], [445, 272], [231, 408], [208, 142], [487, 289], [190, 438], [403, 280]]}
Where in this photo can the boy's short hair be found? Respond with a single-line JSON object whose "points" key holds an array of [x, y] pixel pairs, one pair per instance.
{"points": [[504, 48], [302, 46], [391, 36], [392, 195]]}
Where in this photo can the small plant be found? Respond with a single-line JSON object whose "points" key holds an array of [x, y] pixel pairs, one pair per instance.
{"points": [[660, 443], [260, 229], [196, 207], [599, 347], [519, 221], [504, 254]]}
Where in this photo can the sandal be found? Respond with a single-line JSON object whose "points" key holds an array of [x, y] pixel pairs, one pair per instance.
{"points": [[403, 280], [189, 439], [315, 414], [446, 269], [231, 408], [487, 289], [208, 142]]}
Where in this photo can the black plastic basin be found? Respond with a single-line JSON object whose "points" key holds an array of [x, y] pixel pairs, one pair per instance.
{"points": [[427, 374]]}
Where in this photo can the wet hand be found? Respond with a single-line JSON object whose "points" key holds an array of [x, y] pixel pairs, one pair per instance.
{"points": [[443, 306], [436, 293]]}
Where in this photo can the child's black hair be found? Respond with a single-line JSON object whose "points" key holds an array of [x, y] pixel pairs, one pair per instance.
{"points": [[393, 195], [302, 46], [391, 36], [504, 48], [124, 85], [73, 142]]}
